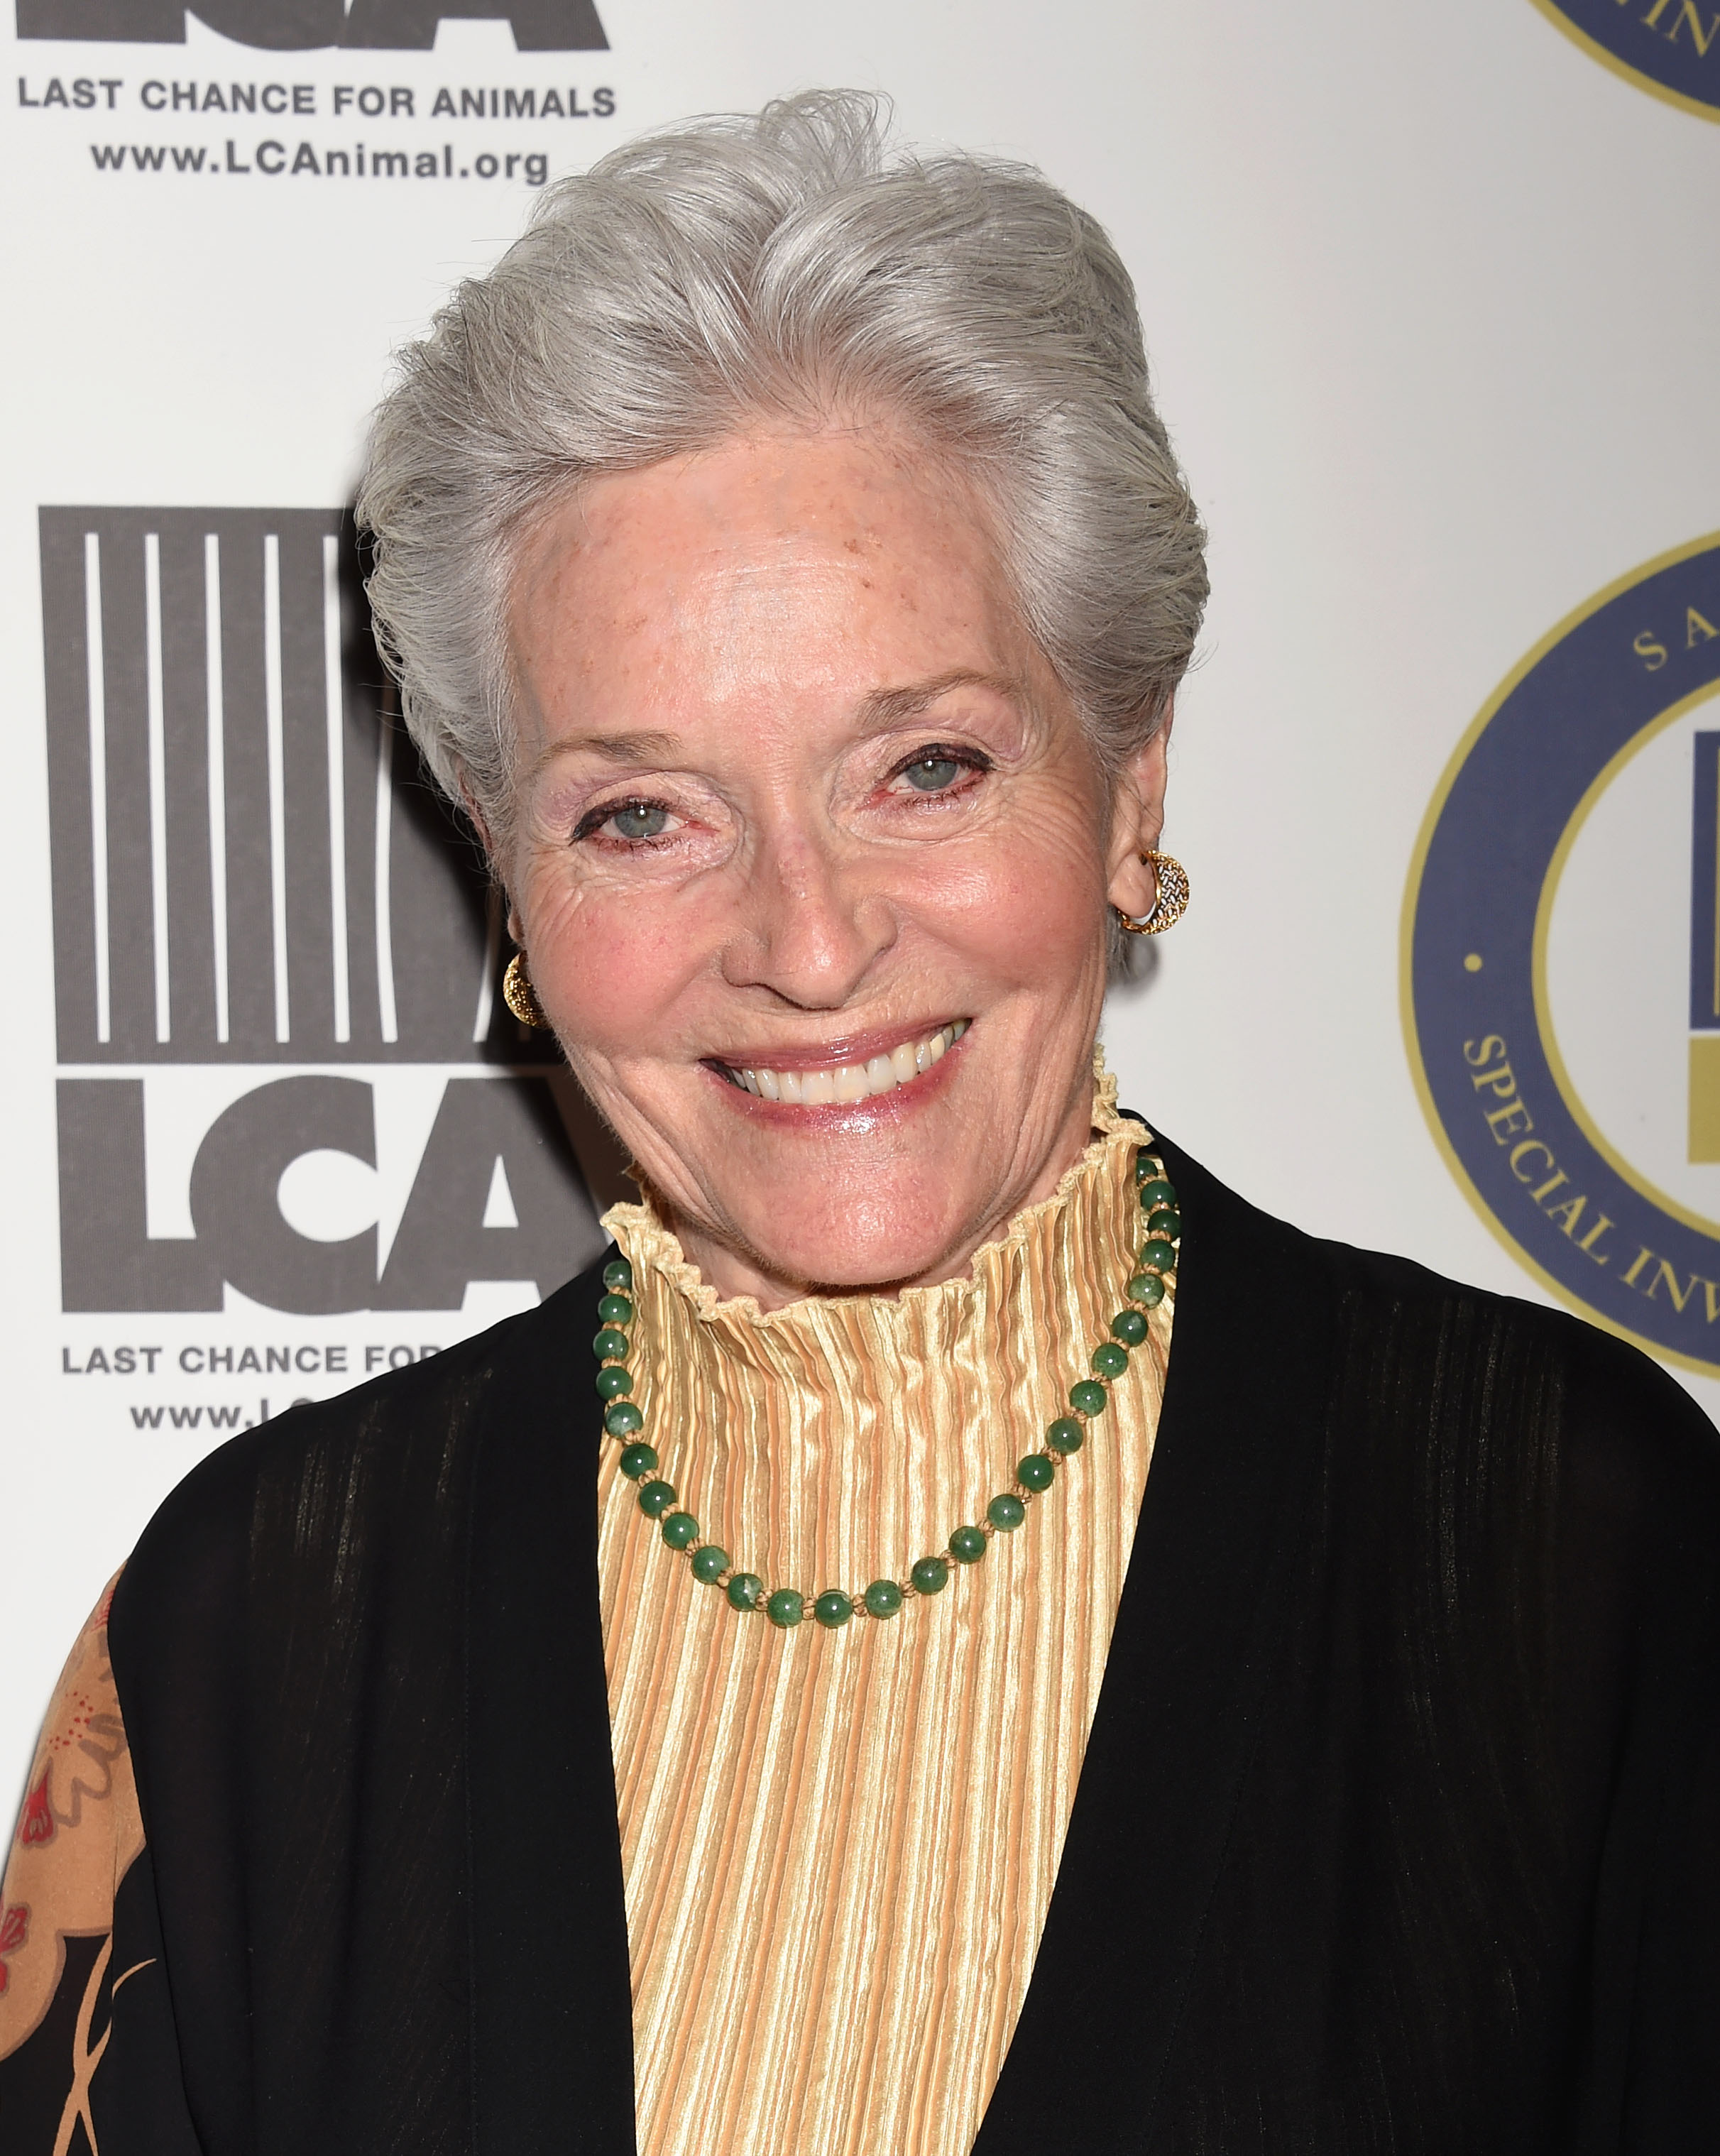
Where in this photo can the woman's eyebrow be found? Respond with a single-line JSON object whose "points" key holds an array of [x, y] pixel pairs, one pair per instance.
{"points": [[888, 707], [629, 748]]}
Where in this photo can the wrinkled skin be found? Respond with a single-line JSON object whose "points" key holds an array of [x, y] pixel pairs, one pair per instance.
{"points": [[794, 785]]}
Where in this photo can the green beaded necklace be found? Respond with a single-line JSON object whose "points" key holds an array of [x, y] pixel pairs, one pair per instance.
{"points": [[784, 1606]]}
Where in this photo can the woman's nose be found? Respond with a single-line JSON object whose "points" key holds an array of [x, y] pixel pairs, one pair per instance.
{"points": [[809, 925]]}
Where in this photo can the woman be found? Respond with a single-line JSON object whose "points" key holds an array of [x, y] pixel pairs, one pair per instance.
{"points": [[791, 1717]]}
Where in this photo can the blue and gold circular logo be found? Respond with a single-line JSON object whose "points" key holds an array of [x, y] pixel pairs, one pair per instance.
{"points": [[1561, 960], [1670, 47]]}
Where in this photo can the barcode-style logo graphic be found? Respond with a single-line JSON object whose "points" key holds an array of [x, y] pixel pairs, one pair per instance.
{"points": [[249, 868], [247, 864]]}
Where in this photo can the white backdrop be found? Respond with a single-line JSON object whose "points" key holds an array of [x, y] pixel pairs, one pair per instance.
{"points": [[1431, 297]]}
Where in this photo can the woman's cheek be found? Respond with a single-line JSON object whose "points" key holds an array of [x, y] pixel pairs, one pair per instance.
{"points": [[613, 971], [1023, 911]]}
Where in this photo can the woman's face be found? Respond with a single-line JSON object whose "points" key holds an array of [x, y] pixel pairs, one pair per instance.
{"points": [[799, 798]]}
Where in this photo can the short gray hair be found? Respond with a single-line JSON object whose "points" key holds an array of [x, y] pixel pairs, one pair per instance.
{"points": [[786, 265]]}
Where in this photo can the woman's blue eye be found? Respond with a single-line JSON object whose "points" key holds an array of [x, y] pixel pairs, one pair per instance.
{"points": [[931, 774], [639, 819]]}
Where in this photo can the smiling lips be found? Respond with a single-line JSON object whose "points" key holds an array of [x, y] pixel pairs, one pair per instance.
{"points": [[850, 1081]]}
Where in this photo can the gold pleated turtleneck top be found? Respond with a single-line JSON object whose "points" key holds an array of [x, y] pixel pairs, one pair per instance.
{"points": [[840, 1846]]}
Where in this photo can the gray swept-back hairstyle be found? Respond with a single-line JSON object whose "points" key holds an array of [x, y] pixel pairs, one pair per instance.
{"points": [[790, 267]]}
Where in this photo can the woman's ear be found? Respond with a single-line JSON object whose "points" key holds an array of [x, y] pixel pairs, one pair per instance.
{"points": [[468, 801], [1137, 818]]}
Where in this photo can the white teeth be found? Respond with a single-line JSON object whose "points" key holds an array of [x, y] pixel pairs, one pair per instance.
{"points": [[853, 1081]]}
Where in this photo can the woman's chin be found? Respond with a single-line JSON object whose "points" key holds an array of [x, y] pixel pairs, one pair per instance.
{"points": [[796, 1253]]}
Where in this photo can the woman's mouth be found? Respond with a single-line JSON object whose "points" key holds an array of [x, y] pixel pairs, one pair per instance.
{"points": [[833, 1084]]}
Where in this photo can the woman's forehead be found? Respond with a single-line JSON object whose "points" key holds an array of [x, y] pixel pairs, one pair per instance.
{"points": [[859, 491], [786, 566]]}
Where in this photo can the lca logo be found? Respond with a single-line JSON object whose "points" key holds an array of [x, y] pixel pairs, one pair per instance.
{"points": [[1670, 47], [1561, 963], [285, 1068], [293, 26]]}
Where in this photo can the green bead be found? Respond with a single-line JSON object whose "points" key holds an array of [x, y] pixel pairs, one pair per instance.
{"points": [[744, 1589], [610, 1346], [618, 1274], [1036, 1472], [1146, 1167], [1111, 1358], [1066, 1435], [930, 1576], [1155, 1194], [833, 1608], [786, 1608], [621, 1419], [1130, 1328], [1146, 1288], [680, 1531], [709, 1563], [1167, 1222], [615, 1310], [1087, 1397], [1006, 1512], [883, 1598], [613, 1381], [967, 1545], [1157, 1255], [656, 1498], [638, 1459]]}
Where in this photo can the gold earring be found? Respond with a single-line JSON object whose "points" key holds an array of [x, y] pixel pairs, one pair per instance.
{"points": [[520, 996], [1172, 902]]}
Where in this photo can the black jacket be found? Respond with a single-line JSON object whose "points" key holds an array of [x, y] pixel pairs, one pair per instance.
{"points": [[1398, 1828]]}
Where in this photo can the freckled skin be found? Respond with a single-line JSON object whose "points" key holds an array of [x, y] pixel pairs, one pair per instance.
{"points": [[702, 638]]}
